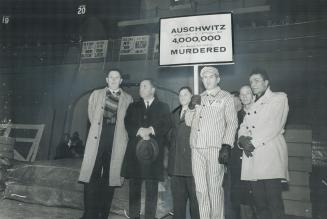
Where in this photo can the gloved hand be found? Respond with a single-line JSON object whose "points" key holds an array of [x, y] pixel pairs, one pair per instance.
{"points": [[247, 153], [245, 143], [224, 154], [195, 100]]}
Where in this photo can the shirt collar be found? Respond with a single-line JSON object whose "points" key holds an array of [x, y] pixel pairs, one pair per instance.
{"points": [[149, 100], [184, 108], [264, 96], [213, 92], [113, 91]]}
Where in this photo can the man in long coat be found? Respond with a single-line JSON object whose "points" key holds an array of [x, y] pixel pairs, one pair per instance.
{"points": [[105, 147], [145, 119], [265, 157]]}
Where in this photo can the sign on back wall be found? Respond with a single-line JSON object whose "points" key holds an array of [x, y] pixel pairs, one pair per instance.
{"points": [[196, 40]]}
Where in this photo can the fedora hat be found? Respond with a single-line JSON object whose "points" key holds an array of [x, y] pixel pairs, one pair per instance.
{"points": [[147, 150]]}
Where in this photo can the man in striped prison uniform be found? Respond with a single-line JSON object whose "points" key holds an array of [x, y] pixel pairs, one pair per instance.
{"points": [[213, 122]]}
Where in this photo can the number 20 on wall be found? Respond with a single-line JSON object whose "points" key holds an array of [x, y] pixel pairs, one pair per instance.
{"points": [[81, 10]]}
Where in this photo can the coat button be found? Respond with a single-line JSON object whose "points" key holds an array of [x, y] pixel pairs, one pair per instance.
{"points": [[198, 130], [96, 137], [203, 105], [248, 113], [263, 143], [200, 117], [247, 127], [255, 112], [102, 107], [253, 126], [98, 123]]}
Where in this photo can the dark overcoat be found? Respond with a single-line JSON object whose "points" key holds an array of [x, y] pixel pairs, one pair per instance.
{"points": [[137, 116], [179, 160]]}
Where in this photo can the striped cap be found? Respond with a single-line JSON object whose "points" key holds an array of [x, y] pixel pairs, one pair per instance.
{"points": [[209, 69]]}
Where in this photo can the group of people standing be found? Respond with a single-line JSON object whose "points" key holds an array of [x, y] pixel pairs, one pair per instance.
{"points": [[127, 140]]}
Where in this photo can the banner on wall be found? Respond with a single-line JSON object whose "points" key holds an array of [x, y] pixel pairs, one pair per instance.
{"points": [[196, 39], [94, 49], [134, 45]]}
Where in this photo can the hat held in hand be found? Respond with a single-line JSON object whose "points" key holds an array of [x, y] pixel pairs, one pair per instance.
{"points": [[147, 150]]}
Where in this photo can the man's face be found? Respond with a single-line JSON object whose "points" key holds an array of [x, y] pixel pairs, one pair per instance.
{"points": [[114, 80], [146, 90], [237, 103], [258, 85], [210, 80], [184, 97], [246, 95]]}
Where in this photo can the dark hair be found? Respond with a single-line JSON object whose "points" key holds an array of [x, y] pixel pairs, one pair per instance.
{"points": [[262, 72], [187, 88], [113, 69], [152, 82], [235, 93]]}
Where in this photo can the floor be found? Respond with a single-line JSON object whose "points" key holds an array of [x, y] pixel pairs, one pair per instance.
{"points": [[10, 209]]}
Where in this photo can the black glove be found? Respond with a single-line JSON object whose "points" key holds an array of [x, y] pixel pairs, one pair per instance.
{"points": [[245, 143], [195, 100], [247, 153], [224, 154]]}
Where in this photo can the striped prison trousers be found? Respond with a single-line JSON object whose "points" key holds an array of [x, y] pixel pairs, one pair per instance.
{"points": [[208, 175]]}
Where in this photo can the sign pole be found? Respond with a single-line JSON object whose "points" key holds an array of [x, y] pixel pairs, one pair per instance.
{"points": [[196, 79]]}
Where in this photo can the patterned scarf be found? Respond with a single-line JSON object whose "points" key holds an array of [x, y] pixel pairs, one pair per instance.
{"points": [[111, 106]]}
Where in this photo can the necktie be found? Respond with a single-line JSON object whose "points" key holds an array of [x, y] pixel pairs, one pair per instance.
{"points": [[147, 104], [182, 117]]}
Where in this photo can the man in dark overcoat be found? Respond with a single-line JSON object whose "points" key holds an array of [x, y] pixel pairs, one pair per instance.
{"points": [[180, 160], [145, 120]]}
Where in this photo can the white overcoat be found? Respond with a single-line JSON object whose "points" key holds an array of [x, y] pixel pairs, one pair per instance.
{"points": [[264, 122]]}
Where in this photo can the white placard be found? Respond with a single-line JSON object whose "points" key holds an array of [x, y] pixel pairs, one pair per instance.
{"points": [[196, 39], [94, 49], [134, 45]]}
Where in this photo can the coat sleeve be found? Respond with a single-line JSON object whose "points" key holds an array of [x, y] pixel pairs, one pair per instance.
{"points": [[231, 122], [162, 125], [91, 106], [131, 121], [171, 130], [273, 124]]}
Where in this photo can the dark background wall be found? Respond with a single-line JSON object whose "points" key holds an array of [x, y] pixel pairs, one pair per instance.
{"points": [[43, 81]]}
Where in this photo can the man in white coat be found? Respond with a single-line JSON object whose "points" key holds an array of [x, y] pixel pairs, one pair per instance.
{"points": [[265, 158], [105, 146]]}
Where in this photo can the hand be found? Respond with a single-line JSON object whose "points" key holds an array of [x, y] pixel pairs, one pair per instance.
{"points": [[247, 153], [195, 100], [224, 154], [144, 133], [245, 143]]}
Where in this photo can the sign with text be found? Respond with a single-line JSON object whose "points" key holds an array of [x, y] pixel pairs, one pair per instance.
{"points": [[94, 49], [134, 45], [196, 39]]}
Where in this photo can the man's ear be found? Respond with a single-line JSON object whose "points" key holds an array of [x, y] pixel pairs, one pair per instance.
{"points": [[266, 83], [218, 80]]}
